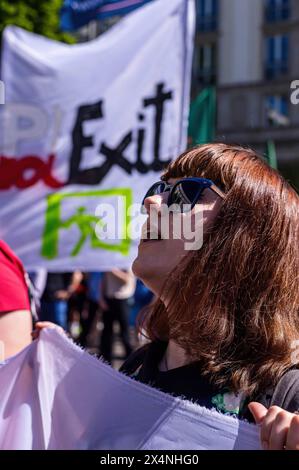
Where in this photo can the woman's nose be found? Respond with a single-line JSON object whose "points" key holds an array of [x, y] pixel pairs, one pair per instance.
{"points": [[155, 202]]}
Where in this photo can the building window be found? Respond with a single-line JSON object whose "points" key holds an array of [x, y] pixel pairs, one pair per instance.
{"points": [[277, 10], [206, 69], [207, 15], [277, 110], [277, 56]]}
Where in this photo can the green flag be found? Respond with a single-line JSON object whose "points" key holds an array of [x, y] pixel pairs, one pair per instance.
{"points": [[271, 154], [202, 118]]}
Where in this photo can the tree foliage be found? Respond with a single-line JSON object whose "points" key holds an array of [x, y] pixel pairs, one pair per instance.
{"points": [[38, 16]]}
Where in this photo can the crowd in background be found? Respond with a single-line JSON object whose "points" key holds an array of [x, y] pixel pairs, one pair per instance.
{"points": [[98, 309]]}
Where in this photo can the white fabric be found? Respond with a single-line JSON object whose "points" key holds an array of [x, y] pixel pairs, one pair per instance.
{"points": [[46, 84], [56, 396]]}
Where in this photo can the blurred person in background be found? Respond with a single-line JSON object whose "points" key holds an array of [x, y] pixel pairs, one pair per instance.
{"points": [[54, 301], [93, 282], [77, 303], [117, 289]]}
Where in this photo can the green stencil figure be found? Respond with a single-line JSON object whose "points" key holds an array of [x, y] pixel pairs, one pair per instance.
{"points": [[85, 223]]}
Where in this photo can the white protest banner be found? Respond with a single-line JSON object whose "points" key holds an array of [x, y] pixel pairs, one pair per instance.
{"points": [[85, 130], [54, 395]]}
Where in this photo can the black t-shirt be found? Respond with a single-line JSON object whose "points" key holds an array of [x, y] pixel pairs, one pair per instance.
{"points": [[189, 383], [186, 382]]}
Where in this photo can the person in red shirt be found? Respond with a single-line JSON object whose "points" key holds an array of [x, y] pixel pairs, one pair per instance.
{"points": [[15, 314]]}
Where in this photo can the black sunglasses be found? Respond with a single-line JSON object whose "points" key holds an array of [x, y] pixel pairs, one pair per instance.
{"points": [[184, 194]]}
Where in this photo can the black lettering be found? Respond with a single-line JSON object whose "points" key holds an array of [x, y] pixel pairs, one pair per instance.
{"points": [[114, 156], [85, 113], [140, 165], [158, 101]]}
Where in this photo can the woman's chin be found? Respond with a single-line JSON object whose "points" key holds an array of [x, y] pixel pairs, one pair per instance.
{"points": [[147, 273], [140, 267]]}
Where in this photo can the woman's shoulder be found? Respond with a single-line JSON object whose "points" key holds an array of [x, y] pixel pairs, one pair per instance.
{"points": [[286, 393]]}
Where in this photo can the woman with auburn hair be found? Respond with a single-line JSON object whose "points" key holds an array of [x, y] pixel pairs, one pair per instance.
{"points": [[223, 330]]}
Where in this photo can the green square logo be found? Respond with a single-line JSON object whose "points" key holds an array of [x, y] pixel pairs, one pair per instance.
{"points": [[85, 222]]}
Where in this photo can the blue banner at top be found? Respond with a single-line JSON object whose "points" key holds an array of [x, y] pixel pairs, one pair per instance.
{"points": [[77, 13]]}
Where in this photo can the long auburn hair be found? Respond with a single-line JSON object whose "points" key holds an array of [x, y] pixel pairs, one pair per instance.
{"points": [[235, 302]]}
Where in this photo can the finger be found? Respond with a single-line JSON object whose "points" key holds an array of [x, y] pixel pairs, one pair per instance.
{"points": [[267, 424], [47, 324], [258, 411], [44, 324], [34, 334], [292, 441], [279, 430], [39, 326]]}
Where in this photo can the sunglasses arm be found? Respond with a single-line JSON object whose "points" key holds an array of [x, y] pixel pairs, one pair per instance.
{"points": [[218, 191]]}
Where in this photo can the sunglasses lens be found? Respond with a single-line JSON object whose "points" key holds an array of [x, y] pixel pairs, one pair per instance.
{"points": [[157, 188], [186, 193]]}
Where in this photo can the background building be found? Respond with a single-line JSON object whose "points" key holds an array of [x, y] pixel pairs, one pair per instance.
{"points": [[248, 50]]}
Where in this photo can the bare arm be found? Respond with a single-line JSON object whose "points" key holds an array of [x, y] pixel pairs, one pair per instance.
{"points": [[121, 275], [75, 282], [15, 332]]}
